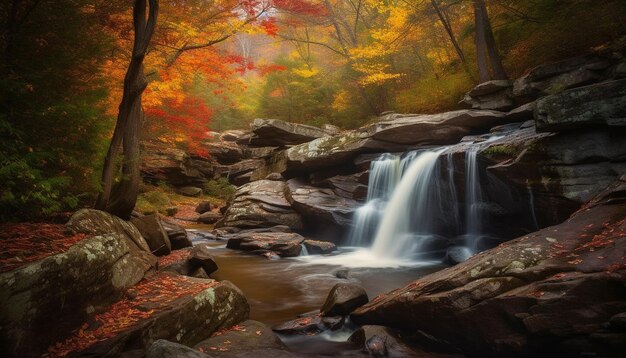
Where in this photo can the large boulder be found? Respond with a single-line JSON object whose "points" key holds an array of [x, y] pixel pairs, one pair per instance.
{"points": [[284, 244], [494, 95], [320, 206], [327, 152], [201, 256], [344, 298], [152, 230], [552, 292], [554, 77], [96, 222], [44, 300], [225, 152], [261, 203], [161, 162], [166, 306], [274, 132], [243, 339], [177, 235], [442, 128], [602, 104]]}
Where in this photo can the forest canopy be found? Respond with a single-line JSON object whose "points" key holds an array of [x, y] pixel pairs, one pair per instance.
{"points": [[216, 65]]}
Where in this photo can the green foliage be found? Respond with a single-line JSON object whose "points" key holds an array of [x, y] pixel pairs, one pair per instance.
{"points": [[219, 188], [52, 127], [26, 192], [153, 201]]}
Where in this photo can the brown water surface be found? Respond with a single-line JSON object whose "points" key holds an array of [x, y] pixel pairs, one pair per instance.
{"points": [[280, 290]]}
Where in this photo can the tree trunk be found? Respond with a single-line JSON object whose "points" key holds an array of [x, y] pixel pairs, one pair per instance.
{"points": [[481, 42], [492, 49], [120, 200], [448, 28]]}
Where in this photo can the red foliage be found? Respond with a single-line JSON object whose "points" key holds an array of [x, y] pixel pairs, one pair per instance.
{"points": [[27, 242], [269, 26], [151, 296], [175, 256], [188, 119]]}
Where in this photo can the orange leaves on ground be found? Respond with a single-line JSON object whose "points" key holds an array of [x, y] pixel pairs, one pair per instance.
{"points": [[175, 256], [28, 242], [149, 297]]}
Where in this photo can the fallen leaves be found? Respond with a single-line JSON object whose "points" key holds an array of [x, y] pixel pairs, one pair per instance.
{"points": [[175, 256], [150, 296], [24, 243]]}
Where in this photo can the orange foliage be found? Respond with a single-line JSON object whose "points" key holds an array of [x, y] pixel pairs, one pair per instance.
{"points": [[149, 297], [28, 242]]}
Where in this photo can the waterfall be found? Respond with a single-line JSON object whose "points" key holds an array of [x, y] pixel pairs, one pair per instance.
{"points": [[394, 237], [384, 175], [473, 199], [412, 213]]}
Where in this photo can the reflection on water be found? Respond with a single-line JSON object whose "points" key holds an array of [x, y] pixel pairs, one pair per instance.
{"points": [[279, 290]]}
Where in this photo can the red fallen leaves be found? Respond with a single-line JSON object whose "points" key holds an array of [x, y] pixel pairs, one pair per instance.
{"points": [[225, 330], [605, 238], [150, 296], [186, 213], [28, 242], [175, 256]]}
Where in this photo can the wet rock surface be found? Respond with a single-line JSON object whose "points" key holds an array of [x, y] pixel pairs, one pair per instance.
{"points": [[283, 244], [316, 247], [344, 298]]}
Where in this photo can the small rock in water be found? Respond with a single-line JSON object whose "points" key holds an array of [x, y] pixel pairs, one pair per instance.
{"points": [[343, 299], [334, 323], [376, 347], [343, 273]]}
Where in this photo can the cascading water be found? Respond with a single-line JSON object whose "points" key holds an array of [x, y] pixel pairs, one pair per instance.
{"points": [[473, 199], [384, 176], [413, 210], [396, 235]]}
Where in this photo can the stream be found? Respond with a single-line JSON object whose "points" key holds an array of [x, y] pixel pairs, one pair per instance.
{"points": [[280, 290]]}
